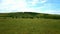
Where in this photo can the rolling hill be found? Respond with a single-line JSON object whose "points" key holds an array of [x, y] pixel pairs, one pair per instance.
{"points": [[29, 23], [29, 15]]}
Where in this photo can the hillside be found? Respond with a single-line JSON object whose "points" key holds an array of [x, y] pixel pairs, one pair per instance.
{"points": [[29, 15], [29, 23]]}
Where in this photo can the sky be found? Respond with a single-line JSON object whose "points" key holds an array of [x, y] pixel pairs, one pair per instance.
{"points": [[39, 6]]}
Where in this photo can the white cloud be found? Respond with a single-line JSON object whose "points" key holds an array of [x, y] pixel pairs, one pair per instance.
{"points": [[19, 5], [35, 2], [38, 1], [51, 12], [43, 1], [12, 4]]}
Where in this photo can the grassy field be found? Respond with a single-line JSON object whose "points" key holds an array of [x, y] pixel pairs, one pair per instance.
{"points": [[29, 26]]}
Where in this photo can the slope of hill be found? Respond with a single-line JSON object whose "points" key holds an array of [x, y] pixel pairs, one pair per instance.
{"points": [[29, 15], [29, 23]]}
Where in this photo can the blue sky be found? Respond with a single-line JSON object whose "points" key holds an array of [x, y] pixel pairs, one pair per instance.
{"points": [[40, 6]]}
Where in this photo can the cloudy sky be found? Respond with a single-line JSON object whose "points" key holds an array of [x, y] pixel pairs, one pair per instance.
{"points": [[40, 6]]}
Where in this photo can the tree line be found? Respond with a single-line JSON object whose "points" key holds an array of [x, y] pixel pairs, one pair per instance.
{"points": [[32, 15]]}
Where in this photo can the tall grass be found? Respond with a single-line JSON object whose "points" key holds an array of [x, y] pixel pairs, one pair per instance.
{"points": [[29, 26]]}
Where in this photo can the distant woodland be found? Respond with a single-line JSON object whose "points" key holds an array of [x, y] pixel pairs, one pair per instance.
{"points": [[29, 15]]}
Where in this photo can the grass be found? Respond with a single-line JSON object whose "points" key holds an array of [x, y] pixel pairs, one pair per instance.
{"points": [[29, 26]]}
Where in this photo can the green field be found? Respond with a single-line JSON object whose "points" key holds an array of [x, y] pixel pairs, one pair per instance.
{"points": [[29, 26]]}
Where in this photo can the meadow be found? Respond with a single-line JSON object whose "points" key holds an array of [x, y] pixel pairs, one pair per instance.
{"points": [[29, 26]]}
